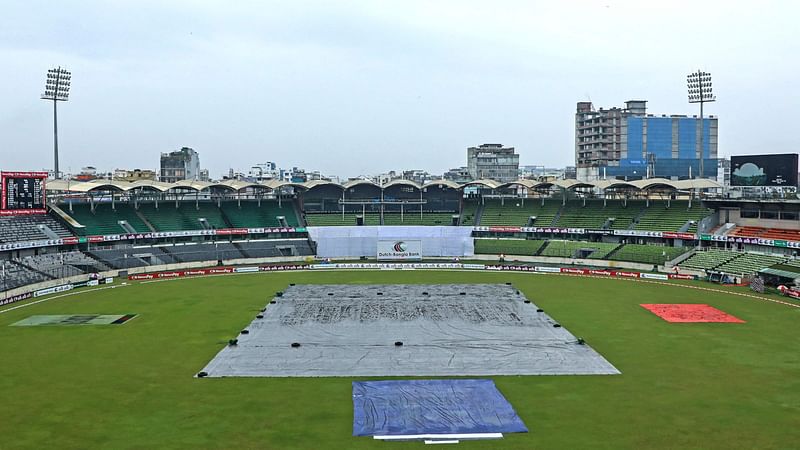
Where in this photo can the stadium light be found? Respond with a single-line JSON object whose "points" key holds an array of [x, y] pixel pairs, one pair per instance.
{"points": [[56, 89], [700, 91]]}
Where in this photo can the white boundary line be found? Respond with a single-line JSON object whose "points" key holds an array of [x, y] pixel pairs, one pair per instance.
{"points": [[663, 283], [640, 280], [60, 296]]}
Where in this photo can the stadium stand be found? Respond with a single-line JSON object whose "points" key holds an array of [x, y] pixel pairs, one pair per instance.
{"points": [[250, 215], [57, 265], [129, 257], [31, 228], [578, 249], [186, 217], [647, 254], [594, 215], [508, 246], [469, 212], [708, 259], [514, 213], [16, 275], [105, 220], [335, 219], [766, 233], [413, 218], [750, 263], [675, 218], [125, 257]]}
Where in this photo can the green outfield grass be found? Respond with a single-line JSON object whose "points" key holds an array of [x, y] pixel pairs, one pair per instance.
{"points": [[131, 386]]}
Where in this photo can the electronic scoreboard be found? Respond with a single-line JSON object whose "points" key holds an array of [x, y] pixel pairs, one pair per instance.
{"points": [[22, 193]]}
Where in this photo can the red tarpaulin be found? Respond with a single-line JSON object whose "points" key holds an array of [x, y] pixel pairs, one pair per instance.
{"points": [[690, 313]]}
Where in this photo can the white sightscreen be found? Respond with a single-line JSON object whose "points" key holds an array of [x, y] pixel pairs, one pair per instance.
{"points": [[355, 241]]}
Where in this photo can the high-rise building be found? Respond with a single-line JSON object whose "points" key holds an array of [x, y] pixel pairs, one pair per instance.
{"points": [[493, 161], [629, 143], [183, 164]]}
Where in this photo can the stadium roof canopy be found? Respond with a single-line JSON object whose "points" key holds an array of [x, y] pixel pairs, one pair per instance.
{"points": [[238, 186], [697, 183], [613, 184], [446, 183], [402, 183], [654, 183], [491, 184]]}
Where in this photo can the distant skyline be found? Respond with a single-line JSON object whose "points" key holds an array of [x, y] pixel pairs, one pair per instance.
{"points": [[352, 88]]}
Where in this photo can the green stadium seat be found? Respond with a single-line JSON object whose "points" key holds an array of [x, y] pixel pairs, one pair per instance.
{"points": [[104, 220], [251, 215]]}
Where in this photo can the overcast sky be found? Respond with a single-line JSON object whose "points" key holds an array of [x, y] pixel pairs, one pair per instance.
{"points": [[351, 88]]}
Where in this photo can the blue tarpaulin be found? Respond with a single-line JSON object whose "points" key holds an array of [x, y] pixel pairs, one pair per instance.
{"points": [[411, 407]]}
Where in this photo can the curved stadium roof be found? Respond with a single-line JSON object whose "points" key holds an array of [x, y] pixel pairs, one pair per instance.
{"points": [[238, 186]]}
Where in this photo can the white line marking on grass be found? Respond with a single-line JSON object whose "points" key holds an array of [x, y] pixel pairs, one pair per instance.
{"points": [[720, 291], [663, 283], [57, 297]]}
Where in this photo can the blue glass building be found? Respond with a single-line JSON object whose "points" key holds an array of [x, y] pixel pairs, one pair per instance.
{"points": [[629, 143]]}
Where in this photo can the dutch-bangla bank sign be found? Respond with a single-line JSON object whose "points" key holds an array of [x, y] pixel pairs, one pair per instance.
{"points": [[399, 249]]}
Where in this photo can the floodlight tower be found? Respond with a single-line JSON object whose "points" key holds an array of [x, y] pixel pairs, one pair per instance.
{"points": [[57, 90], [699, 84]]}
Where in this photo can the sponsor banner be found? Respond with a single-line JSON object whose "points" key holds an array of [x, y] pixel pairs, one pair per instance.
{"points": [[229, 231], [603, 232], [31, 244], [141, 276], [474, 266], [556, 230], [22, 212], [399, 250], [603, 273], [28, 174], [518, 268], [52, 290], [681, 276], [212, 271], [548, 269], [654, 276], [194, 272], [574, 270], [684, 236], [627, 274], [638, 233], [174, 274], [15, 298], [93, 283], [282, 267], [506, 229]]}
